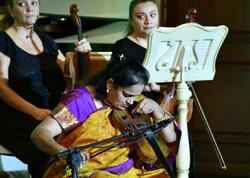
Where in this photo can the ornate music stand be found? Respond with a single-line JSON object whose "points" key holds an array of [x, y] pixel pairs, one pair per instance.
{"points": [[184, 53]]}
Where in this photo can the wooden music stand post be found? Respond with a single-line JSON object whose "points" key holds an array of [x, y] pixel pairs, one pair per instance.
{"points": [[184, 53]]}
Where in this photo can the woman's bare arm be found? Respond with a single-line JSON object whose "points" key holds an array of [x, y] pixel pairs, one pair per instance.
{"points": [[43, 136]]}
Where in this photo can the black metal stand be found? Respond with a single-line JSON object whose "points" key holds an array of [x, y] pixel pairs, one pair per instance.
{"points": [[74, 160], [74, 157], [152, 140]]}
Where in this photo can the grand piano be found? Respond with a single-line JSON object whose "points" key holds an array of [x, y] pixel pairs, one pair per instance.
{"points": [[103, 22]]}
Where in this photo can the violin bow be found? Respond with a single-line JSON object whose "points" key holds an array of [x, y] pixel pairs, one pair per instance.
{"points": [[191, 18]]}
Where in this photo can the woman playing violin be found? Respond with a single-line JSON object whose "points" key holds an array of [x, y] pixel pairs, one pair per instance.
{"points": [[84, 116], [31, 79]]}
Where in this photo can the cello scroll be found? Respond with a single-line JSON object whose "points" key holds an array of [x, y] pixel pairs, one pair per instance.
{"points": [[76, 63]]}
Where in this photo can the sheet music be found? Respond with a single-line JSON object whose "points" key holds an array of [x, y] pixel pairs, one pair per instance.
{"points": [[189, 47]]}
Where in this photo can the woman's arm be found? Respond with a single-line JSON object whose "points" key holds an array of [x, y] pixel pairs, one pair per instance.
{"points": [[11, 98], [60, 60], [43, 136]]}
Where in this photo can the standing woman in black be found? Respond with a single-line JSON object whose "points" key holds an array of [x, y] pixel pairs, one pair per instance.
{"points": [[31, 80], [143, 18]]}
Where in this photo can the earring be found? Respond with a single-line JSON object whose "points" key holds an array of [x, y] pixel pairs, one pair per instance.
{"points": [[107, 90]]}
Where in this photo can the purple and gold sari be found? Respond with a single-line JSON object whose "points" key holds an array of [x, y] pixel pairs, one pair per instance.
{"points": [[84, 124]]}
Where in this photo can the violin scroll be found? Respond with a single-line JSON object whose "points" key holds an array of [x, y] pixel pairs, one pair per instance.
{"points": [[191, 15]]}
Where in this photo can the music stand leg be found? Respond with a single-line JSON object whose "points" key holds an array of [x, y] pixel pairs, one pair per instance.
{"points": [[183, 157]]}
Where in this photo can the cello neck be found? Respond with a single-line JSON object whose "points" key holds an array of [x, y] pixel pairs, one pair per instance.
{"points": [[82, 61], [74, 8], [79, 31]]}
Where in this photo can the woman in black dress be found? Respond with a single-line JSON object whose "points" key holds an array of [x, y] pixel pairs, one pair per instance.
{"points": [[31, 80]]}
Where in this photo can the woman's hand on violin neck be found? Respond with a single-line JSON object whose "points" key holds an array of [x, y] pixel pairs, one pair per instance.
{"points": [[83, 46]]}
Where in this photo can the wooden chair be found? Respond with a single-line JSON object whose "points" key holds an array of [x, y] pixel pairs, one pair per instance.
{"points": [[97, 61]]}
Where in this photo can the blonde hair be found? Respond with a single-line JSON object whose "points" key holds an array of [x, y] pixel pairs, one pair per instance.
{"points": [[7, 20]]}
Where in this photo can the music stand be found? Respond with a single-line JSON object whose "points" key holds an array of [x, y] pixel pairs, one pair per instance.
{"points": [[179, 54]]}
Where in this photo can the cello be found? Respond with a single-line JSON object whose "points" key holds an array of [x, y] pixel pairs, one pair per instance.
{"points": [[76, 63]]}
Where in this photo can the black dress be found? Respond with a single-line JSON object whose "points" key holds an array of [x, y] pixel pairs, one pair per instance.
{"points": [[129, 49], [39, 80]]}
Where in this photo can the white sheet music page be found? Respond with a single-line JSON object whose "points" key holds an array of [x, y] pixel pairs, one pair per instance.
{"points": [[190, 48]]}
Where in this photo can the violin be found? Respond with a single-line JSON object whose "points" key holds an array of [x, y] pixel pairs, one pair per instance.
{"points": [[168, 102], [128, 122], [76, 60]]}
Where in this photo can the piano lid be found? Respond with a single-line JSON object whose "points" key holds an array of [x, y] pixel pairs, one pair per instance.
{"points": [[107, 34], [114, 14], [114, 9]]}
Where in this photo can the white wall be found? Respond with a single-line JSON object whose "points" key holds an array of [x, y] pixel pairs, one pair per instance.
{"points": [[115, 9]]}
